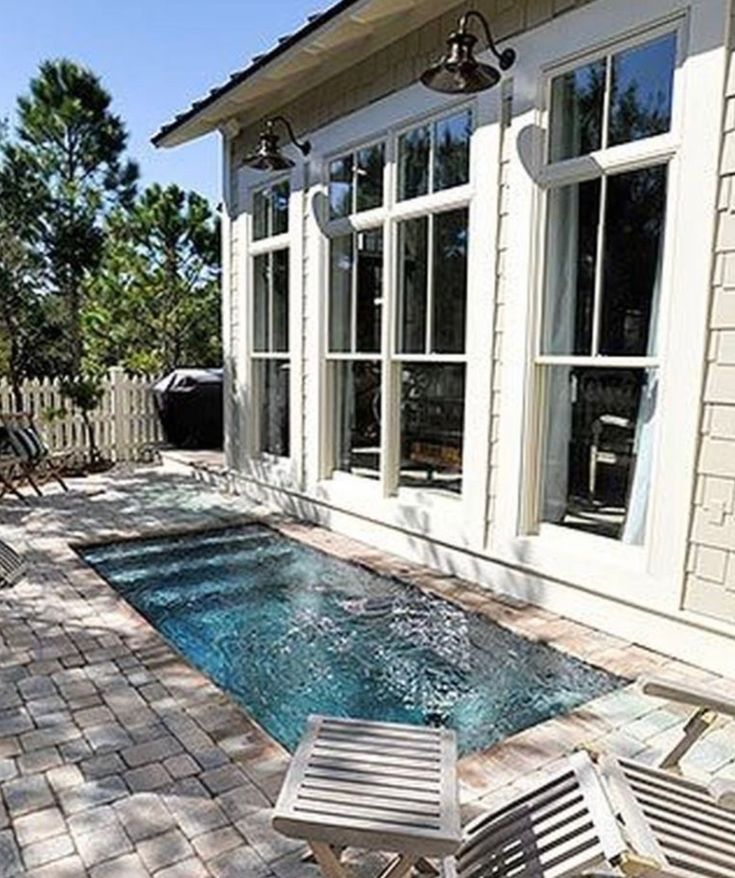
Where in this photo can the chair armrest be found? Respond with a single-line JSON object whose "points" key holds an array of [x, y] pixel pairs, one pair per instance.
{"points": [[723, 792], [660, 687]]}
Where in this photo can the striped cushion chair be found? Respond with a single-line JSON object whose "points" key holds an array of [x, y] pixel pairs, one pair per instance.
{"points": [[12, 566], [30, 452]]}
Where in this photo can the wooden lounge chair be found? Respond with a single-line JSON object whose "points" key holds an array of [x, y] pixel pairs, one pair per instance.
{"points": [[603, 812], [12, 566], [32, 459]]}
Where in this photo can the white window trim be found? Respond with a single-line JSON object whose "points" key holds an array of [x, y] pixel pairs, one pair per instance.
{"points": [[458, 519], [652, 576], [264, 466]]}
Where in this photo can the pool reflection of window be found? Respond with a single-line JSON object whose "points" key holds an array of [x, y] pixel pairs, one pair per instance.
{"points": [[598, 368]]}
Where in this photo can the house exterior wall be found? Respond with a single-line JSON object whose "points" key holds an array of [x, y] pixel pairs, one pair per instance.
{"points": [[706, 589], [710, 586]]}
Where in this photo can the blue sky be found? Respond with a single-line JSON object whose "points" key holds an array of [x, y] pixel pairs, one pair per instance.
{"points": [[154, 57]]}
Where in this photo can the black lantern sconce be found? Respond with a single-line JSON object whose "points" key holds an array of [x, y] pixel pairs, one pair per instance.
{"points": [[459, 72], [268, 155]]}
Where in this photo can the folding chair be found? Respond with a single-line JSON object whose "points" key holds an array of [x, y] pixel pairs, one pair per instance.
{"points": [[619, 814], [31, 455]]}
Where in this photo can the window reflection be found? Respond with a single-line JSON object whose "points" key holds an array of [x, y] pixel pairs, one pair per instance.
{"points": [[450, 281], [270, 210], [340, 187], [340, 293], [641, 90], [356, 389], [261, 322], [414, 149], [369, 291], [271, 380], [280, 300], [598, 449], [452, 151], [634, 231], [370, 162], [413, 275], [577, 100], [432, 425], [571, 245]]}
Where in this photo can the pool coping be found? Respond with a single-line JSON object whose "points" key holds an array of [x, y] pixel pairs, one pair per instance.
{"points": [[538, 747]]}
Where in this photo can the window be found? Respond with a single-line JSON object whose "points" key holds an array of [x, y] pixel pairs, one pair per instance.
{"points": [[432, 294], [354, 348], [598, 364], [434, 157], [270, 321], [414, 371], [356, 181]]}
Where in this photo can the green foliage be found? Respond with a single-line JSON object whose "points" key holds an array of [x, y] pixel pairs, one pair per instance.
{"points": [[73, 143], [154, 303]]}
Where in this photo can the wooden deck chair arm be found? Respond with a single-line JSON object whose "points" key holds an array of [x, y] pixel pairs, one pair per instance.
{"points": [[723, 792], [660, 687]]}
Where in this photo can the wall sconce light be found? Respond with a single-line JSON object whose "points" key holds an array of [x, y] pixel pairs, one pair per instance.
{"points": [[459, 72], [268, 155]]}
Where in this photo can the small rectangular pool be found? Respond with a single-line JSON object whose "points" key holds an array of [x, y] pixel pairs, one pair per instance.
{"points": [[288, 631]]}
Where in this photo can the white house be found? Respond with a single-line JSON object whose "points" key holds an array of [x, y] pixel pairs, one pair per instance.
{"points": [[495, 332]]}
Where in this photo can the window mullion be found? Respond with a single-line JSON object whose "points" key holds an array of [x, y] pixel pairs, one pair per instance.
{"points": [[429, 285], [606, 98], [353, 295], [271, 309], [599, 270]]}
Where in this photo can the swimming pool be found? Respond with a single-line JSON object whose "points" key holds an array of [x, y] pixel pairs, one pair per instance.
{"points": [[288, 631]]}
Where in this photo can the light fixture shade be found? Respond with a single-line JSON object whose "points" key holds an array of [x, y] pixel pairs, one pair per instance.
{"points": [[459, 72], [268, 155]]}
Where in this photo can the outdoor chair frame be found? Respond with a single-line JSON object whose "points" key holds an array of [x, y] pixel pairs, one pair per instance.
{"points": [[12, 566], [18, 470], [615, 814]]}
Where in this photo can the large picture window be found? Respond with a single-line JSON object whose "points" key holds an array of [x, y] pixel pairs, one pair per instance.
{"points": [[270, 357], [411, 373], [598, 364]]}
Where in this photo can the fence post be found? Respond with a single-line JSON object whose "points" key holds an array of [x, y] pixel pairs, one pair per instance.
{"points": [[119, 415]]}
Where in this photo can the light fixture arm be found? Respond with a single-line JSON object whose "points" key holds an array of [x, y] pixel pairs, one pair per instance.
{"points": [[303, 146], [507, 57]]}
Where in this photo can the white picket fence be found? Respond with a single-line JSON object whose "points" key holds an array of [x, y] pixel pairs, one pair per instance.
{"points": [[125, 424]]}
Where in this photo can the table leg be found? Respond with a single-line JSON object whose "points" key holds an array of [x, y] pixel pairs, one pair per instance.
{"points": [[400, 867], [328, 859]]}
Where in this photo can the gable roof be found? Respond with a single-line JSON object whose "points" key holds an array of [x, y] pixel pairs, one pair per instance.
{"points": [[313, 23], [328, 42]]}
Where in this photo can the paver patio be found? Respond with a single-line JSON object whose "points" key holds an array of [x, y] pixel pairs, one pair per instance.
{"points": [[117, 758]]}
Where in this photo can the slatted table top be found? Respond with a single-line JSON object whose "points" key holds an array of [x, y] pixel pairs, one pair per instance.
{"points": [[376, 786]]}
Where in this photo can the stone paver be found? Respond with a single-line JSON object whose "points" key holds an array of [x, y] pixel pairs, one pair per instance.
{"points": [[119, 760]]}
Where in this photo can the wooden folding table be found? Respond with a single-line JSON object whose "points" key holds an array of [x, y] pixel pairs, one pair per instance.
{"points": [[373, 786]]}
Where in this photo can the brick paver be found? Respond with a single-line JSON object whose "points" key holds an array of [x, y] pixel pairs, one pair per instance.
{"points": [[118, 760]]}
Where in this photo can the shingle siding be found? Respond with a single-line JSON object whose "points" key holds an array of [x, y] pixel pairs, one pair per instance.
{"points": [[710, 580]]}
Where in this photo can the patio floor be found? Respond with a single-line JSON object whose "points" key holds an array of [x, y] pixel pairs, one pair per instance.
{"points": [[117, 758]]}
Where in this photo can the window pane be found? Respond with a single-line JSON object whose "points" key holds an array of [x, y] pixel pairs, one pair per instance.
{"points": [[271, 393], [280, 300], [261, 328], [370, 162], [641, 90], [357, 418], [432, 418], [414, 149], [634, 237], [369, 290], [340, 187], [576, 111], [571, 257], [598, 449], [452, 151], [450, 282], [260, 215], [413, 273], [280, 195], [340, 294]]}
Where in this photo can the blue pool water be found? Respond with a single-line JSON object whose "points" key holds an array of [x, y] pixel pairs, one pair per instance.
{"points": [[288, 631]]}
